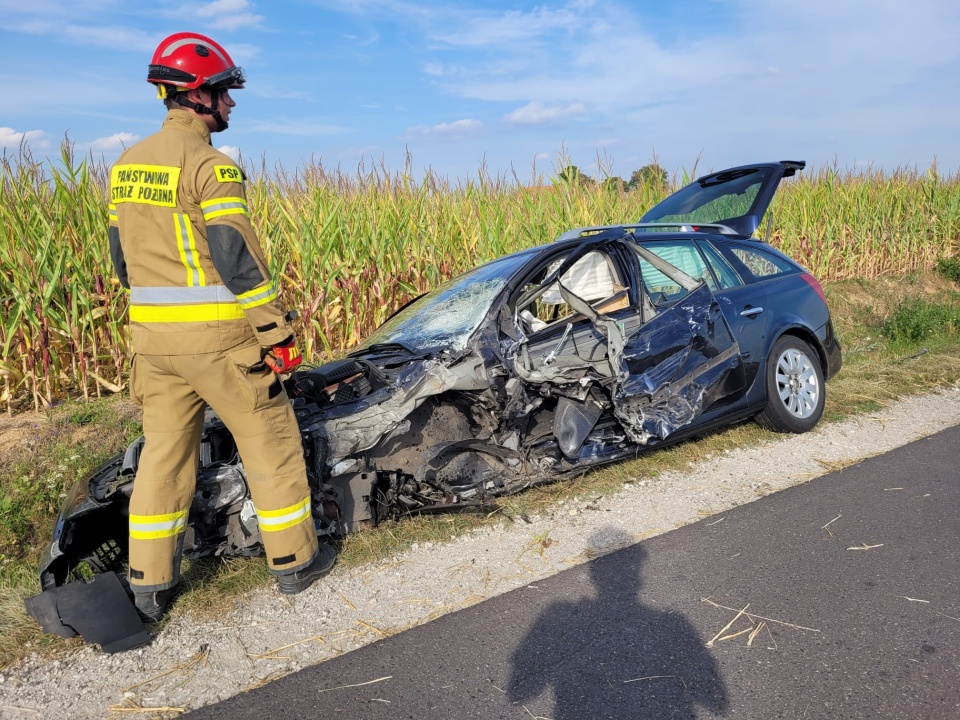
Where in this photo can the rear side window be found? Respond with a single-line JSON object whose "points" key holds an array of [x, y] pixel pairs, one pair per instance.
{"points": [[761, 264], [721, 267]]}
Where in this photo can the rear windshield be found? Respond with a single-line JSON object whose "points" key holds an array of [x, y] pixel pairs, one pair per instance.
{"points": [[723, 197]]}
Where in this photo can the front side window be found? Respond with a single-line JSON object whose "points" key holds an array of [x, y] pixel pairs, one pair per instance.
{"points": [[683, 256], [663, 282], [592, 278]]}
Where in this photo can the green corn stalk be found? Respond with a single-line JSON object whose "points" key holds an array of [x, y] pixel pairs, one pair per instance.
{"points": [[350, 248]]}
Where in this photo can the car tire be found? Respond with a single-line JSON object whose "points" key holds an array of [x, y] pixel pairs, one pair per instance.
{"points": [[795, 387]]}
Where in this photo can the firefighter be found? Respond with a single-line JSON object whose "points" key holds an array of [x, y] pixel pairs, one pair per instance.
{"points": [[207, 329]]}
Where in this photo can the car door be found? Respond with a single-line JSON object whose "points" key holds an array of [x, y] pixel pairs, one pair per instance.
{"points": [[679, 363], [745, 305], [661, 361], [565, 314]]}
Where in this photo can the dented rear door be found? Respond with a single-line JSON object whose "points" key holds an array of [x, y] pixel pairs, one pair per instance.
{"points": [[675, 367]]}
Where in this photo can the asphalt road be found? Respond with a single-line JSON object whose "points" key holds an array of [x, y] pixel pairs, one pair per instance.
{"points": [[851, 585]]}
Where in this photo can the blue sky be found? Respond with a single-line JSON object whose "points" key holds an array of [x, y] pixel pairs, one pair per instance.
{"points": [[460, 84]]}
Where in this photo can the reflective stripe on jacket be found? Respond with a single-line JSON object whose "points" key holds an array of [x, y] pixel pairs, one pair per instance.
{"points": [[182, 241]]}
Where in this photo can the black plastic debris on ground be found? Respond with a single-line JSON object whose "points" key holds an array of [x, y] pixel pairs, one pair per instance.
{"points": [[100, 612]]}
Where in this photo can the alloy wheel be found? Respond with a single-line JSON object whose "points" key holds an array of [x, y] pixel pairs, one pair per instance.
{"points": [[797, 383]]}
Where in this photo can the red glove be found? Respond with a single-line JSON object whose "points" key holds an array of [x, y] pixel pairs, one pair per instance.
{"points": [[283, 357]]}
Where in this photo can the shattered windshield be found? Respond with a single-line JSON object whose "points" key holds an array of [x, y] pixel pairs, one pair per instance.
{"points": [[448, 315]]}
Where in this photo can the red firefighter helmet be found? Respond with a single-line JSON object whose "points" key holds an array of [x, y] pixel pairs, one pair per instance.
{"points": [[188, 60]]}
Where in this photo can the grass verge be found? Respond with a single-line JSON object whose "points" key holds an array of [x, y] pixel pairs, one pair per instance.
{"points": [[900, 336]]}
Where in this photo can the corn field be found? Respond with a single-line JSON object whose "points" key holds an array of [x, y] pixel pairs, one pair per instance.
{"points": [[351, 248]]}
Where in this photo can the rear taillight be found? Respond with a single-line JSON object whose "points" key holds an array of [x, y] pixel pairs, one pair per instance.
{"points": [[815, 284]]}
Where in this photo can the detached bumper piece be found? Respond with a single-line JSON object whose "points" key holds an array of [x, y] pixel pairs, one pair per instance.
{"points": [[100, 612]]}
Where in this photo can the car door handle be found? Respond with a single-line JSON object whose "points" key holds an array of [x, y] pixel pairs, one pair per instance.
{"points": [[751, 312]]}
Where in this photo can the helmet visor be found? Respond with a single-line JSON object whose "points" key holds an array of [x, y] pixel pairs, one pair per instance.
{"points": [[230, 78]]}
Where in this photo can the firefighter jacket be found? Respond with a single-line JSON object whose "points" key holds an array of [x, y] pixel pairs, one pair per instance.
{"points": [[182, 242]]}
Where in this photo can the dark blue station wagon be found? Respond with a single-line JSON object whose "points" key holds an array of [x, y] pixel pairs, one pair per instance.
{"points": [[536, 366]]}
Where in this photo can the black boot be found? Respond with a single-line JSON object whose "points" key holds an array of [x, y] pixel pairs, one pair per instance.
{"points": [[153, 605], [302, 579]]}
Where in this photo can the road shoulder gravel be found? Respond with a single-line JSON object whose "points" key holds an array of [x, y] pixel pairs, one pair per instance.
{"points": [[191, 664]]}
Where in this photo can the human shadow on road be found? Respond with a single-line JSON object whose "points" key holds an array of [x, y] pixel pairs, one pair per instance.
{"points": [[609, 656]]}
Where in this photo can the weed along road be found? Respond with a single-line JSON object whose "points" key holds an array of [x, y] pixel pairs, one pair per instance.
{"points": [[834, 599]]}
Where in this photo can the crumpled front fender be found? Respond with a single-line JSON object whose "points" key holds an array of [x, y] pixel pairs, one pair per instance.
{"points": [[92, 523]]}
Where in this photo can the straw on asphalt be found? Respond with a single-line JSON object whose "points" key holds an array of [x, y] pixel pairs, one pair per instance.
{"points": [[709, 601]]}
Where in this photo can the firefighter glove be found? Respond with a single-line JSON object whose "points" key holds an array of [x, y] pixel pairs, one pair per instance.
{"points": [[283, 357]]}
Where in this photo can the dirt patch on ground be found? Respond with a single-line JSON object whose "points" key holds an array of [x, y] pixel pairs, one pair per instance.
{"points": [[19, 431], [23, 432]]}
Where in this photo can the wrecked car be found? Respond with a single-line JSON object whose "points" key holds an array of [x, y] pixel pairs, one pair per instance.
{"points": [[536, 366]]}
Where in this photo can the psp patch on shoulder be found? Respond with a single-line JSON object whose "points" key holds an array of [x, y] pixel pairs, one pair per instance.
{"points": [[228, 173]]}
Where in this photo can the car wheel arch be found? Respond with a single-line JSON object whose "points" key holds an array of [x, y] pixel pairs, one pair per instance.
{"points": [[803, 333], [794, 392]]}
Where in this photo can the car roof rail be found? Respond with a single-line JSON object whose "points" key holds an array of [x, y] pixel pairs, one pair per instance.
{"points": [[581, 231], [680, 226]]}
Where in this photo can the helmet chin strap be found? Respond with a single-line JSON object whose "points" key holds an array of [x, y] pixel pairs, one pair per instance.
{"points": [[214, 109]]}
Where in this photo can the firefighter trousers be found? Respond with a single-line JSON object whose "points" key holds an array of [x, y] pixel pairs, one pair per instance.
{"points": [[174, 391]]}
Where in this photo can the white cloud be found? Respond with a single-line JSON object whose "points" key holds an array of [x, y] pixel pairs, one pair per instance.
{"points": [[223, 6], [231, 152], [296, 128], [485, 29], [107, 36], [370, 39], [35, 139], [604, 55], [71, 21], [536, 112], [232, 22], [112, 144], [106, 148], [229, 14], [243, 53], [738, 81], [747, 79], [274, 93], [456, 128]]}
